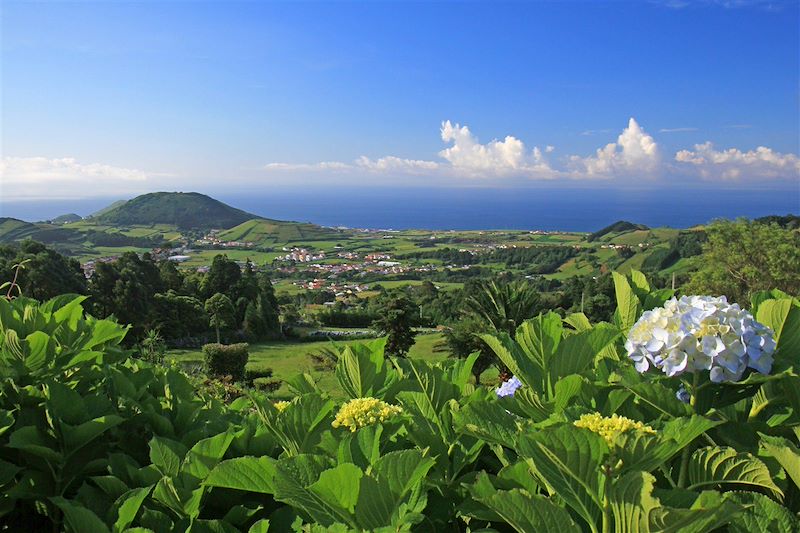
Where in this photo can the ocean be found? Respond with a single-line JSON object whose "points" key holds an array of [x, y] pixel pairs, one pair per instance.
{"points": [[473, 208]]}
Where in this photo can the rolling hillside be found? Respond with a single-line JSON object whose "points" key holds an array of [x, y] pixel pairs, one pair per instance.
{"points": [[265, 231], [188, 210]]}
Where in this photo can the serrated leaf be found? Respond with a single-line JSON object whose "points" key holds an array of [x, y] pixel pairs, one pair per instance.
{"points": [[786, 453], [762, 514], [712, 466], [339, 487], [128, 506], [628, 306], [79, 519], [251, 474], [631, 499], [528, 513], [569, 460], [167, 455]]}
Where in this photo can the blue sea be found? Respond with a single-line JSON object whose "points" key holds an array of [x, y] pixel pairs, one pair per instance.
{"points": [[473, 208]]}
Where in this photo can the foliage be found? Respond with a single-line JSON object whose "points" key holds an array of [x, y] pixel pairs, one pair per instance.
{"points": [[46, 274], [396, 321], [185, 210], [226, 360], [152, 348], [220, 312], [92, 440], [743, 257]]}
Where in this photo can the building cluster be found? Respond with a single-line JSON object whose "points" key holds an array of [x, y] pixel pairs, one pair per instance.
{"points": [[212, 240], [301, 255]]}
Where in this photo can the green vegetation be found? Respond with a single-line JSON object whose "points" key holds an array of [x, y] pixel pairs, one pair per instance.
{"points": [[621, 226], [743, 257], [183, 210], [94, 440]]}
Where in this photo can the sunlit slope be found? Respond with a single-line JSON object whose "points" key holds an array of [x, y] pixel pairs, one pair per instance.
{"points": [[265, 231]]}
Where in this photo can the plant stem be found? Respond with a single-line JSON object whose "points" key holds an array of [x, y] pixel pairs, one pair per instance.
{"points": [[606, 503], [687, 450]]}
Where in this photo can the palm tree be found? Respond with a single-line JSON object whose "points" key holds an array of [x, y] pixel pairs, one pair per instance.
{"points": [[503, 305]]}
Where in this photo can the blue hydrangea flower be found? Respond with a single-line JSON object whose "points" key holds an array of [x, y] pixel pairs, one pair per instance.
{"points": [[509, 387], [683, 395]]}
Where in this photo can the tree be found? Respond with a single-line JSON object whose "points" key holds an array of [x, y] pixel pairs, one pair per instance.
{"points": [[179, 316], [745, 256], [396, 320], [462, 339], [503, 305], [223, 277], [47, 273], [126, 288], [220, 312]]}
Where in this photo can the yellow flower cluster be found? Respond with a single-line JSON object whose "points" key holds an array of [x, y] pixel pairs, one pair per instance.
{"points": [[611, 427], [280, 406], [362, 412]]}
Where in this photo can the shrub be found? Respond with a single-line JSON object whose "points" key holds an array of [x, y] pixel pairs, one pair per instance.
{"points": [[250, 375], [226, 360]]}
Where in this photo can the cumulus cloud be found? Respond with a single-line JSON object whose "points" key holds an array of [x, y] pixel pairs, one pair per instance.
{"points": [[495, 158], [635, 152], [734, 164], [66, 177], [634, 155]]}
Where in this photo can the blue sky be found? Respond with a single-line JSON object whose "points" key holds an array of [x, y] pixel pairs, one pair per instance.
{"points": [[104, 98]]}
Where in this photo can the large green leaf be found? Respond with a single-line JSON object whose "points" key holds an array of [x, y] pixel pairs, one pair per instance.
{"points": [[402, 470], [488, 421], [576, 353], [526, 367], [712, 466], [339, 487], [783, 316], [628, 307], [292, 478], [128, 506], [647, 452], [79, 519], [568, 459], [251, 474], [631, 499], [786, 453], [708, 511], [167, 455], [362, 371], [530, 513], [205, 455], [762, 514]]}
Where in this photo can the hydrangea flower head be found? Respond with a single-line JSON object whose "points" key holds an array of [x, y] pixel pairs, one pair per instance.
{"points": [[280, 406], [611, 427], [508, 388], [362, 412], [696, 333]]}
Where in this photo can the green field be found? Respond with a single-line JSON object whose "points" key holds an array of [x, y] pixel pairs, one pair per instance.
{"points": [[288, 358]]}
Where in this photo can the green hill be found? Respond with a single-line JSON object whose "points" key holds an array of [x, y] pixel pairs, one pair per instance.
{"points": [[66, 219], [265, 231], [617, 227], [189, 210]]}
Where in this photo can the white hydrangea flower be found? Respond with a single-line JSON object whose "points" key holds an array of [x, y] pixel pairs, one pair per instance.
{"points": [[696, 333]]}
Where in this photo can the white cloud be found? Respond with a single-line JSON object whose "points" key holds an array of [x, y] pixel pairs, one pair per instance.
{"points": [[635, 152], [635, 155], [323, 165], [496, 158], [66, 177], [397, 164], [733, 164]]}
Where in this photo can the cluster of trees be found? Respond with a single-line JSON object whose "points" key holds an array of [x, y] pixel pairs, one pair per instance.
{"points": [[532, 259], [149, 294], [154, 295]]}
